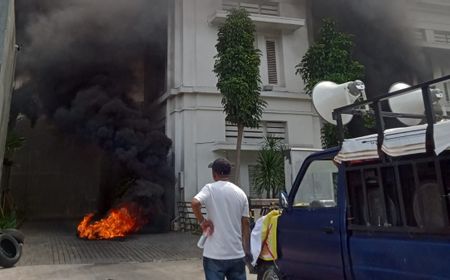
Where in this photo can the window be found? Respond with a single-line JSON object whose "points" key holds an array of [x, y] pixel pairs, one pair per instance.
{"points": [[405, 195], [318, 186], [260, 7], [271, 62], [373, 198], [419, 34], [442, 37], [272, 72], [422, 196], [273, 129]]}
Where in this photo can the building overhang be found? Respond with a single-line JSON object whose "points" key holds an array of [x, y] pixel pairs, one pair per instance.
{"points": [[436, 46], [262, 21], [229, 146]]}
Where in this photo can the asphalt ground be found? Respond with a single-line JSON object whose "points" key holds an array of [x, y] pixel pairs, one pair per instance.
{"points": [[53, 251]]}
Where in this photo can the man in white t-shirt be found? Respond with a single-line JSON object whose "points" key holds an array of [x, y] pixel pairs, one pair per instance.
{"points": [[227, 222]]}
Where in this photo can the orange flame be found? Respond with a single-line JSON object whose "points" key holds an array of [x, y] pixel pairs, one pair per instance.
{"points": [[119, 222]]}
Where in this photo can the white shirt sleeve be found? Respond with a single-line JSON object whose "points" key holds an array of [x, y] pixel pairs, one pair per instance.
{"points": [[204, 195], [245, 210]]}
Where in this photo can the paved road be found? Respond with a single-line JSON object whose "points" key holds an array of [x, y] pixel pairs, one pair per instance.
{"points": [[52, 251], [166, 270], [56, 243]]}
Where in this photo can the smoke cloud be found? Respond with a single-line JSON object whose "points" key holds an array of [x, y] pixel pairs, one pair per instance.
{"points": [[383, 42], [82, 64]]}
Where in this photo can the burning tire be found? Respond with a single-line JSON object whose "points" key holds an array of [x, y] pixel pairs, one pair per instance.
{"points": [[10, 250], [17, 234]]}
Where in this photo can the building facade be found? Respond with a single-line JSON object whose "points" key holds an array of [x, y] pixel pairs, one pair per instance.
{"points": [[430, 21], [194, 118], [7, 67]]}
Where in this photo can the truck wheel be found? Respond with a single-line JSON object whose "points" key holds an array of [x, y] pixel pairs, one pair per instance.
{"points": [[268, 271], [10, 250]]}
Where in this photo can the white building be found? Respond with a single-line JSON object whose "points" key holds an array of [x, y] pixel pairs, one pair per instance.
{"points": [[7, 67], [194, 117], [431, 23], [195, 120]]}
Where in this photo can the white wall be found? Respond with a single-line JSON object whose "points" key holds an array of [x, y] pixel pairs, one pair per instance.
{"points": [[195, 118], [433, 16], [7, 67]]}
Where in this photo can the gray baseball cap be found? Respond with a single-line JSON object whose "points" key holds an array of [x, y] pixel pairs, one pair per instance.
{"points": [[221, 166]]}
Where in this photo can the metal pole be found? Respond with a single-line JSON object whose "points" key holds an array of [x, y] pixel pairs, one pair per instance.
{"points": [[430, 117]]}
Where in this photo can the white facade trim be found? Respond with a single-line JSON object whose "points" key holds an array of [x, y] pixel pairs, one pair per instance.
{"points": [[262, 21]]}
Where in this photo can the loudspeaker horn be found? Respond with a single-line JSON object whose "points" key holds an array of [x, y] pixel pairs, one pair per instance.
{"points": [[412, 102], [328, 96], [408, 103]]}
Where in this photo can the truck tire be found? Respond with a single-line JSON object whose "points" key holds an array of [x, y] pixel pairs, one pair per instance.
{"points": [[268, 271], [10, 250], [17, 234]]}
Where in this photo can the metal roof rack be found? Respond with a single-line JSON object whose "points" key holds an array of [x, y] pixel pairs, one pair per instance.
{"points": [[376, 110]]}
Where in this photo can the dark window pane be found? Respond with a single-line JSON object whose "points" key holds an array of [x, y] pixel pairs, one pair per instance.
{"points": [[428, 205], [391, 197], [408, 188], [375, 200], [445, 168], [356, 196]]}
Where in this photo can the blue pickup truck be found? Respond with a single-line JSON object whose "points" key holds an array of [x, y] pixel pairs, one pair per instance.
{"points": [[384, 217]]}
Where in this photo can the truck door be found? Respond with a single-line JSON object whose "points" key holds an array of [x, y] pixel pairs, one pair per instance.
{"points": [[309, 230], [399, 226]]}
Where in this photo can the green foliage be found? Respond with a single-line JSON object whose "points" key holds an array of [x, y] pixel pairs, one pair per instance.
{"points": [[329, 59], [329, 136], [13, 143], [269, 177], [237, 68], [8, 220], [369, 120]]}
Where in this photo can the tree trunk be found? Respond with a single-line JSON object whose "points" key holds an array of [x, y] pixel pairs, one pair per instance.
{"points": [[240, 128]]}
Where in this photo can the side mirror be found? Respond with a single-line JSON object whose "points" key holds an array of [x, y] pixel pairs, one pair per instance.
{"points": [[284, 200]]}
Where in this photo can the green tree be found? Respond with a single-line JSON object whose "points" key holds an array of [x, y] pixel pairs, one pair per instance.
{"points": [[237, 68], [269, 175], [329, 59]]}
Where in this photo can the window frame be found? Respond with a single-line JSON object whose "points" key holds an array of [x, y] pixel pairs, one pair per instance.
{"points": [[274, 64], [403, 227], [294, 191], [261, 40]]}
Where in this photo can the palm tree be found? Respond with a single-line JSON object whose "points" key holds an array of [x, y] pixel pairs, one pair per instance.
{"points": [[269, 175]]}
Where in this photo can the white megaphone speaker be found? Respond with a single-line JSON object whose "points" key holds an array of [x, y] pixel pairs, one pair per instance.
{"points": [[412, 103], [328, 96], [408, 103]]}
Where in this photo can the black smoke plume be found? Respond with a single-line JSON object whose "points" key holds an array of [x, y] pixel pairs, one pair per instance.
{"points": [[82, 64], [383, 40]]}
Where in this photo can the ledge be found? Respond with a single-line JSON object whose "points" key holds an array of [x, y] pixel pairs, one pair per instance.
{"points": [[275, 94], [262, 21], [433, 45], [229, 146]]}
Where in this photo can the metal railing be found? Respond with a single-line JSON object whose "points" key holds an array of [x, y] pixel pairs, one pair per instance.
{"points": [[429, 115]]}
